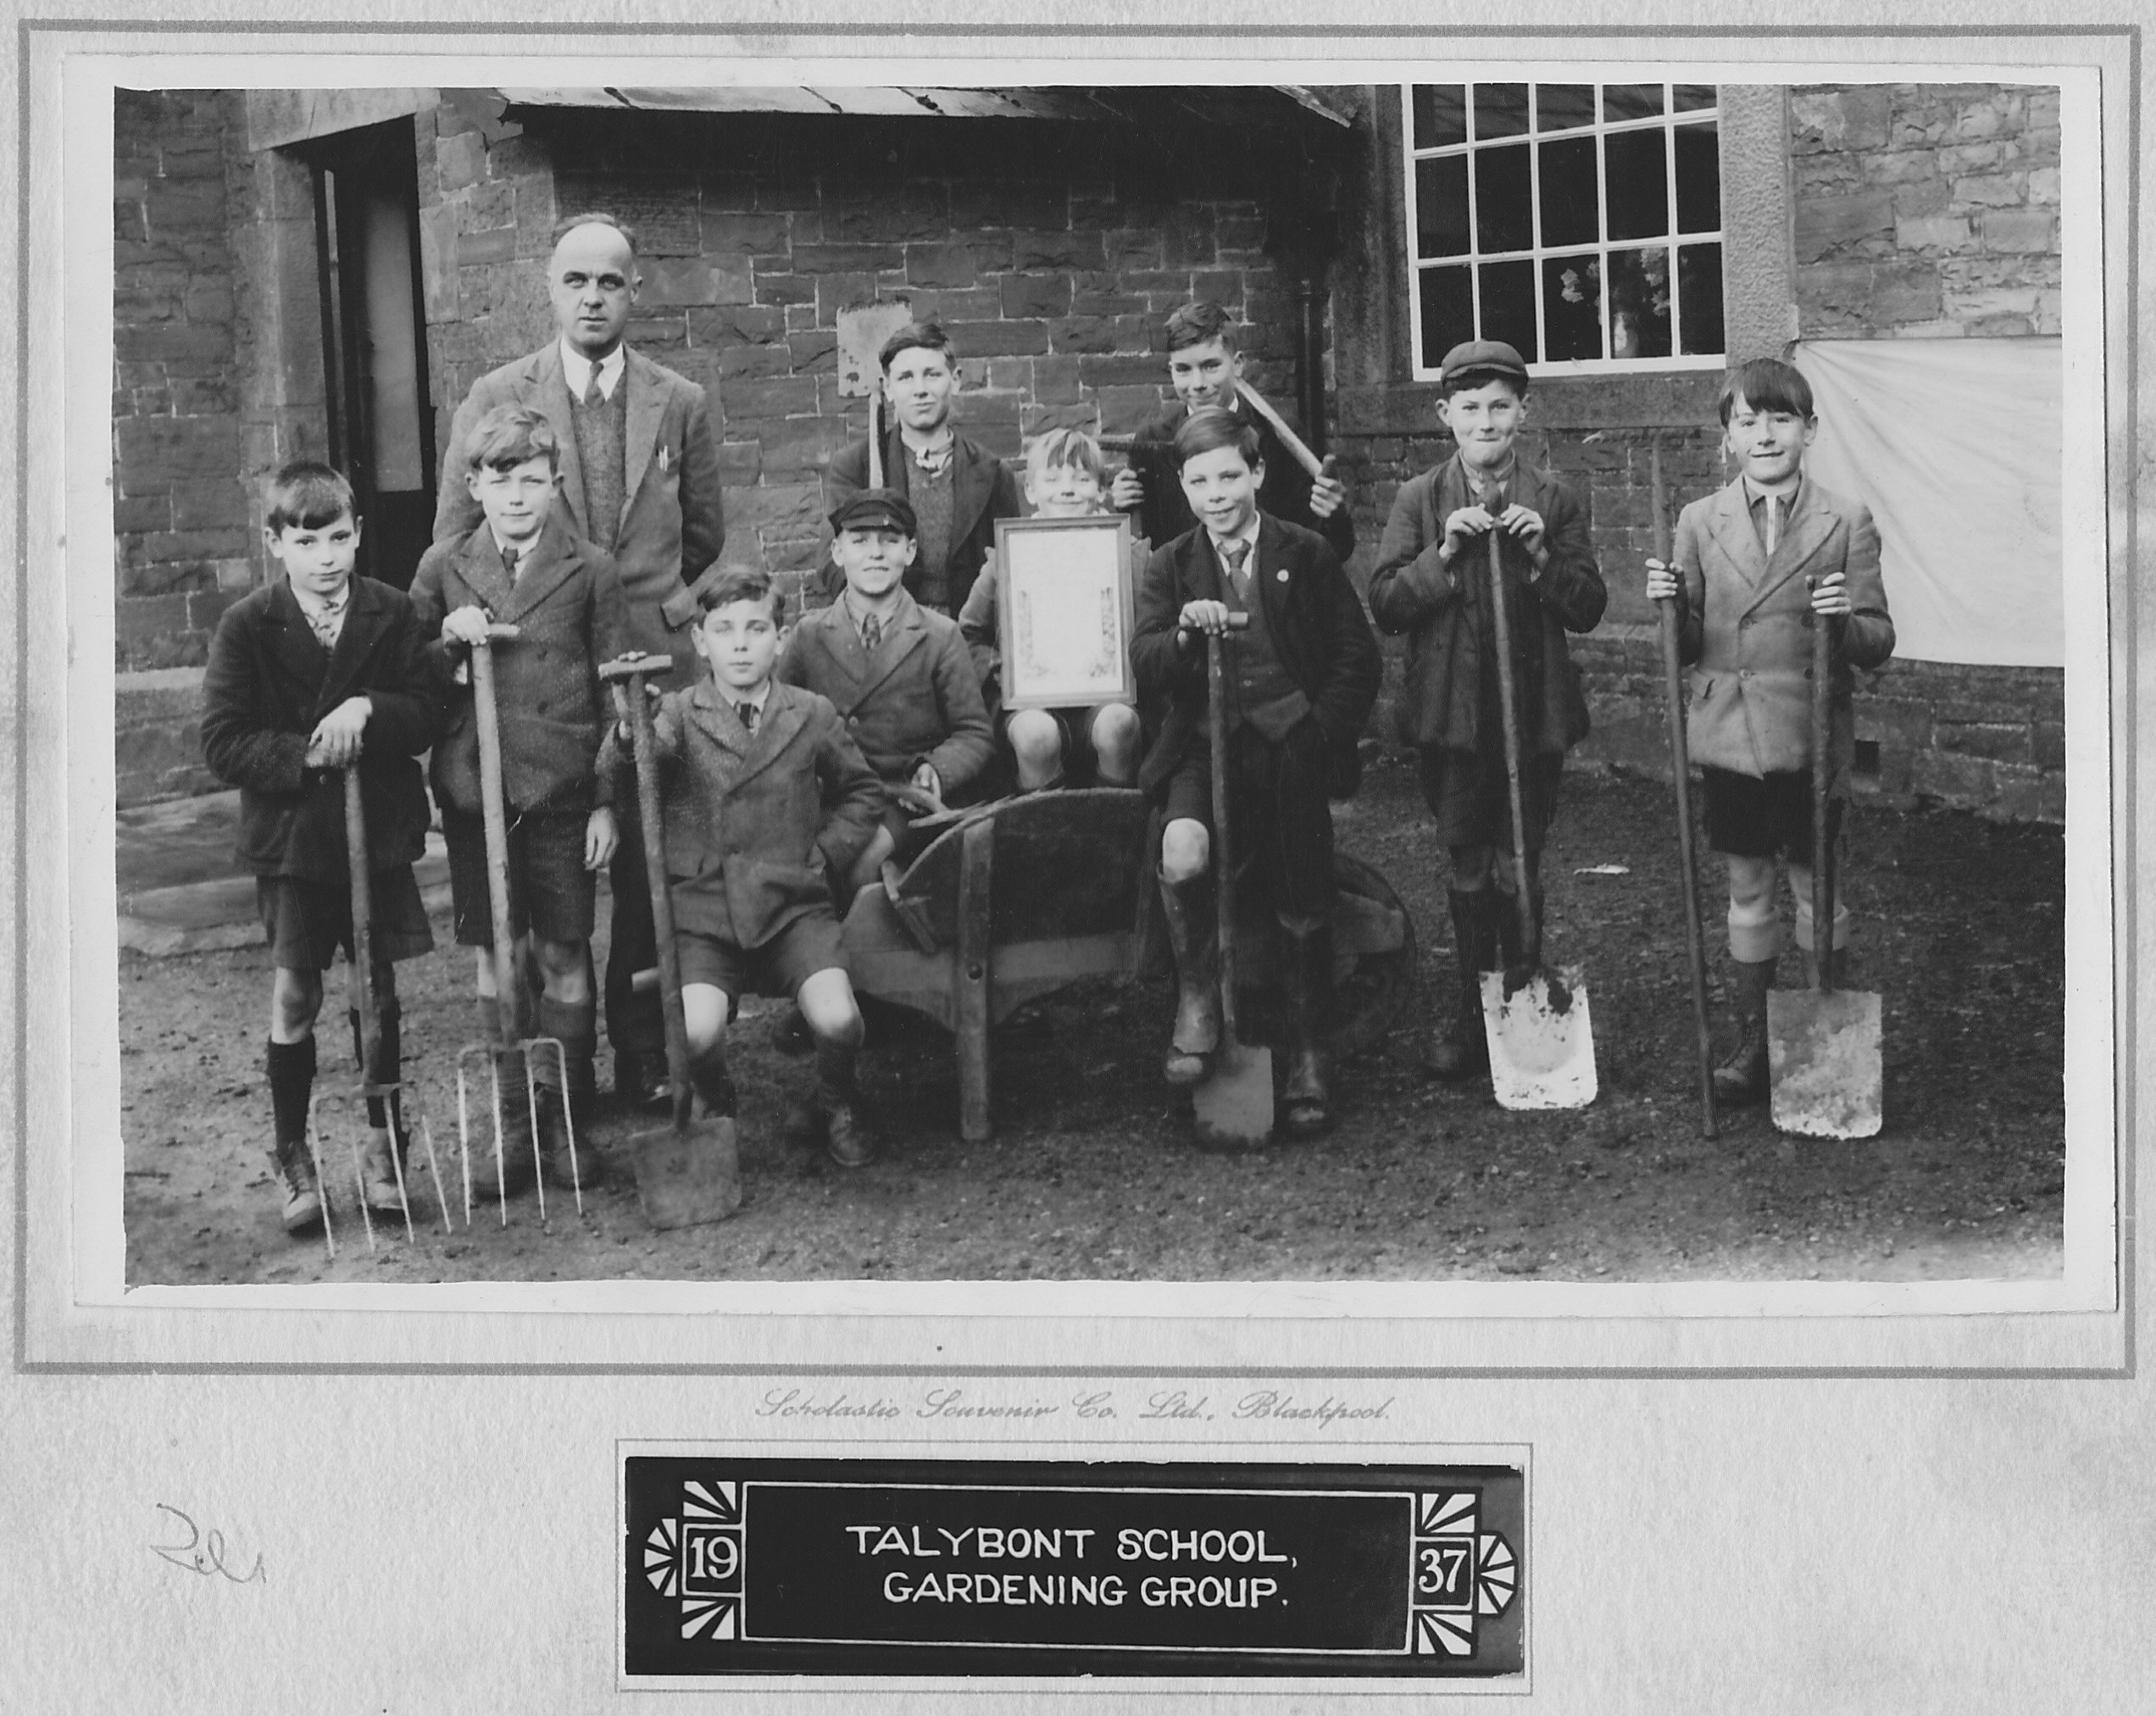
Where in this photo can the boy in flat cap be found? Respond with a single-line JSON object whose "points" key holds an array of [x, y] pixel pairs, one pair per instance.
{"points": [[899, 673], [1432, 583]]}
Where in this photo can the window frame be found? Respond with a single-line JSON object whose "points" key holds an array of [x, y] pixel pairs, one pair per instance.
{"points": [[1425, 365]]}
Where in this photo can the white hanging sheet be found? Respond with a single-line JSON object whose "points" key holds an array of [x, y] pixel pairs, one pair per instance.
{"points": [[1955, 444]]}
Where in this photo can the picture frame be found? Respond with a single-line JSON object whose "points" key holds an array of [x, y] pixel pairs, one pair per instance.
{"points": [[1064, 610]]}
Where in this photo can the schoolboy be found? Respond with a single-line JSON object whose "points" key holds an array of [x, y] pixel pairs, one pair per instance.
{"points": [[1205, 367], [765, 796], [1065, 479], [1759, 565], [1300, 682], [523, 565], [897, 672], [957, 488], [1432, 583], [314, 674]]}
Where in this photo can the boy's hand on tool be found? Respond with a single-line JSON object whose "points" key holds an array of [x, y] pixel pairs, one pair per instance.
{"points": [[1127, 490], [1831, 594], [1328, 494], [1210, 618], [1462, 523], [601, 837], [470, 625], [1661, 580], [335, 741], [923, 794]]}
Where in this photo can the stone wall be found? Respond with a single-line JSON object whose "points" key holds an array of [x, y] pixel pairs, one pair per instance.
{"points": [[1052, 266], [1926, 210]]}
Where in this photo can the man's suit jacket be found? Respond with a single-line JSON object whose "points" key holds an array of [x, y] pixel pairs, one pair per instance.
{"points": [[269, 681], [1445, 609], [566, 602], [1318, 628], [916, 700], [1746, 625], [981, 492], [672, 523], [761, 819], [1284, 493]]}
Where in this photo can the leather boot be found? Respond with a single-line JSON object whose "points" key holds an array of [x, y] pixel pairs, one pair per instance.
{"points": [[378, 1163], [846, 1141], [1306, 944], [1193, 937], [388, 1144], [290, 1067], [1741, 1079], [1460, 1048]]}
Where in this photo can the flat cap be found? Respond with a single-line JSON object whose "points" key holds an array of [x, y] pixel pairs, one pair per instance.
{"points": [[1484, 357], [873, 507]]}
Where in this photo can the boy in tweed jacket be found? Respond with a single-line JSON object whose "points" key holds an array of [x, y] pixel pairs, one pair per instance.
{"points": [[1759, 565], [317, 673], [765, 798], [1432, 582], [522, 566]]}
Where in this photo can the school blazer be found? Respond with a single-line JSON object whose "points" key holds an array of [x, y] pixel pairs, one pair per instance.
{"points": [[1318, 627], [763, 818], [1444, 610], [981, 492], [915, 701], [567, 602], [1284, 493], [269, 681], [672, 522], [1746, 627]]}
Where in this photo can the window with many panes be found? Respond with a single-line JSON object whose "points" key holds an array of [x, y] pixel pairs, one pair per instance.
{"points": [[1580, 223]]}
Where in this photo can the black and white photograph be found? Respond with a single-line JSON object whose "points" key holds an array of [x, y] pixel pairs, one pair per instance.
{"points": [[856, 798]]}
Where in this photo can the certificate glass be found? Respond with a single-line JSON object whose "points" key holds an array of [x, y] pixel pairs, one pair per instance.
{"points": [[1064, 603]]}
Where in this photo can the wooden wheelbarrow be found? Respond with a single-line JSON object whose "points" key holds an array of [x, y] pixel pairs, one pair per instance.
{"points": [[1017, 900]]}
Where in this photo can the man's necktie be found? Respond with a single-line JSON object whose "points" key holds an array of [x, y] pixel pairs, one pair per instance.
{"points": [[509, 558], [871, 633], [748, 713], [1774, 524], [593, 397]]}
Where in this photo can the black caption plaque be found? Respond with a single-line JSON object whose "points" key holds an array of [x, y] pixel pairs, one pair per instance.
{"points": [[887, 1567]]}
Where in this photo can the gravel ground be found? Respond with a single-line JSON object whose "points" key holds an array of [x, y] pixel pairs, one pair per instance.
{"points": [[1092, 1175]]}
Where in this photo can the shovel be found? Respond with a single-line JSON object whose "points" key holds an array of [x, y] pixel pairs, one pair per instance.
{"points": [[1680, 775], [1235, 1103], [687, 1173], [1542, 1044], [1823, 1063]]}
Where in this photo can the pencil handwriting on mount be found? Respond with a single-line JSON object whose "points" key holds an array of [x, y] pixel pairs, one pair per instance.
{"points": [[201, 1552]]}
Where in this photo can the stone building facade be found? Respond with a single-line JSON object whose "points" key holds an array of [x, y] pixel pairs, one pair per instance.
{"points": [[1052, 248]]}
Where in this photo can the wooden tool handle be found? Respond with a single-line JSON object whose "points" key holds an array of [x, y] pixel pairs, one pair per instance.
{"points": [[1289, 439], [635, 664], [1680, 775], [509, 983], [1501, 622], [1822, 774], [363, 923], [653, 819], [875, 436], [1223, 851]]}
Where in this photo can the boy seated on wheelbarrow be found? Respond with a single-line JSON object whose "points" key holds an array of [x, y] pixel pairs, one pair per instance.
{"points": [[1432, 582], [1300, 684], [1758, 564], [1065, 479], [765, 797], [316, 673], [523, 565]]}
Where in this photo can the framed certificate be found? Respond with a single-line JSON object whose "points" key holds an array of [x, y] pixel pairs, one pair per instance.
{"points": [[1063, 606]]}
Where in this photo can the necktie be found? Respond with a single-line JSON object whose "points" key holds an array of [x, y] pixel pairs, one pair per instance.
{"points": [[509, 558], [748, 713], [871, 633], [325, 623], [1774, 523], [593, 397], [1237, 555]]}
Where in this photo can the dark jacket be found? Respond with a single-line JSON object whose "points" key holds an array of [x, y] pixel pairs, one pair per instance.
{"points": [[762, 819], [671, 526], [1444, 610], [269, 681], [981, 492], [915, 701], [1318, 628], [567, 601], [1284, 493]]}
